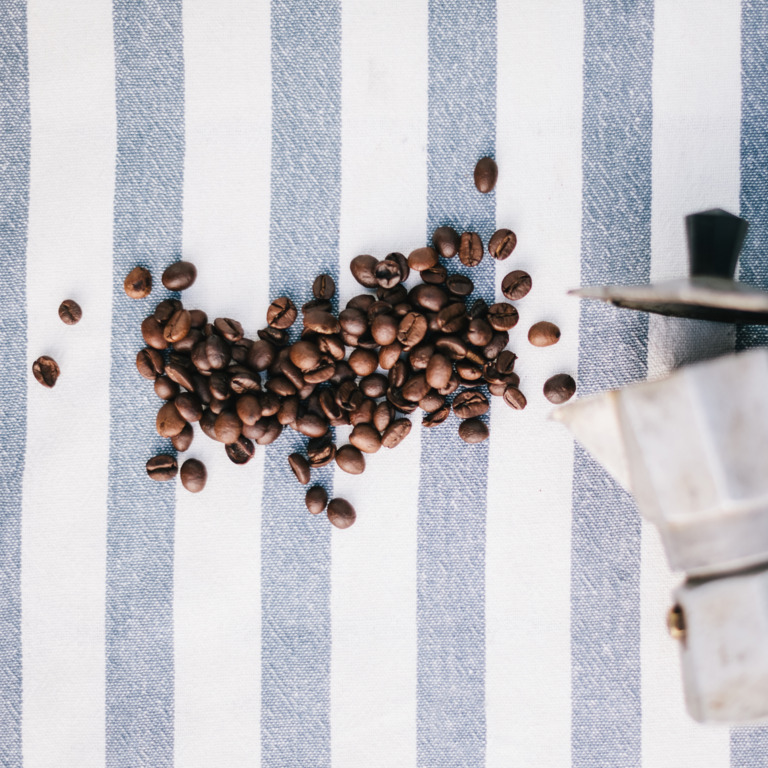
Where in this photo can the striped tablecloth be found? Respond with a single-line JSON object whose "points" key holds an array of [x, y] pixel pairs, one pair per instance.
{"points": [[496, 605]]}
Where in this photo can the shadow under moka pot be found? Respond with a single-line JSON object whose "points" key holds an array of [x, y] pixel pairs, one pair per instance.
{"points": [[693, 450]]}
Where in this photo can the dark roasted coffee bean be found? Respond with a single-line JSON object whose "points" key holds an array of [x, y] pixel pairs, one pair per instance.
{"points": [[492, 350], [478, 309], [394, 295], [311, 425], [288, 411], [361, 302], [328, 405], [479, 332], [324, 287], [543, 334], [343, 373], [411, 329], [431, 401], [70, 312], [350, 459], [559, 388], [395, 397], [470, 249], [240, 350], [420, 356], [451, 346], [390, 354], [452, 318], [429, 297], [436, 417], [300, 467], [436, 275], [502, 316], [423, 258], [166, 389], [323, 304], [379, 308], [207, 422], [248, 408], [177, 326], [305, 355], [189, 342], [281, 386], [362, 268], [218, 352], [322, 372], [459, 285], [138, 283], [405, 271], [384, 329], [514, 398], [169, 421], [199, 356], [218, 383], [341, 513], [227, 427], [150, 363], [316, 499], [219, 406], [374, 385], [179, 276], [270, 404], [486, 174], [395, 433], [446, 240], [321, 322], [230, 329], [180, 373], [281, 313], [354, 321], [415, 388], [165, 309], [189, 406], [193, 475], [242, 379], [198, 318], [387, 273], [505, 362], [516, 285], [152, 333], [500, 246], [241, 450], [183, 440], [496, 388], [438, 371], [363, 414], [321, 450], [470, 404], [451, 386], [363, 361], [468, 370], [366, 438], [383, 415], [162, 467], [276, 336], [473, 431], [261, 355], [398, 374]]}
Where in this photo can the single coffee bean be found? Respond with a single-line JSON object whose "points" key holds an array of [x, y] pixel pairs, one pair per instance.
{"points": [[46, 371], [179, 276], [190, 341], [149, 363], [452, 318], [479, 332], [395, 433], [363, 414], [559, 388], [311, 425], [218, 383], [423, 258], [242, 379], [394, 294], [516, 285], [451, 386], [492, 350], [383, 415], [176, 371], [399, 293], [70, 312], [198, 318], [321, 322], [415, 388], [288, 411], [193, 475], [305, 355], [384, 329], [420, 355], [281, 313], [138, 283], [165, 310], [387, 273], [446, 240], [177, 326], [189, 406], [218, 352], [468, 370], [473, 431], [361, 302], [354, 321], [514, 398], [543, 334], [366, 438], [248, 408], [374, 385], [316, 499], [321, 450], [452, 346], [152, 333], [436, 275], [300, 467], [398, 374], [412, 329], [395, 396], [323, 304], [162, 467], [219, 406], [341, 513], [324, 287], [496, 388], [502, 316], [240, 350], [431, 401], [470, 249], [436, 417], [350, 459], [207, 422], [486, 174], [331, 346], [501, 245], [470, 404], [227, 427], [429, 297], [183, 440], [459, 285], [505, 362], [276, 336], [166, 389], [169, 421], [438, 371], [261, 355], [390, 354], [240, 451], [363, 361], [230, 329], [363, 270], [478, 309]]}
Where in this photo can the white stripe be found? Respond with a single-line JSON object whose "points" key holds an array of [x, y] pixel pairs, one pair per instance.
{"points": [[72, 96], [696, 135], [373, 571], [528, 662], [217, 604]]}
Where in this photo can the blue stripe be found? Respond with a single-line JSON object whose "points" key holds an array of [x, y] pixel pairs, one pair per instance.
{"points": [[14, 207], [140, 515], [451, 727], [616, 245], [749, 745], [304, 241]]}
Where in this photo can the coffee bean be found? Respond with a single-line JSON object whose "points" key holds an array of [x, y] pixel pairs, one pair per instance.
{"points": [[451, 386], [261, 355], [190, 341], [446, 241], [321, 322], [559, 388], [438, 371], [288, 411], [276, 336], [242, 380], [218, 352], [415, 388], [432, 401], [198, 318], [451, 346], [332, 346], [265, 431], [390, 354], [169, 421], [423, 258], [397, 292], [514, 398], [152, 333], [179, 276], [183, 440], [468, 370], [70, 312], [516, 285], [366, 438], [429, 297], [374, 385], [230, 329], [281, 313], [240, 451], [162, 467], [395, 396], [436, 417], [177, 326], [305, 355], [505, 362], [387, 273], [316, 499], [478, 309], [166, 389], [470, 249], [219, 406], [412, 329], [383, 415], [473, 431], [496, 388], [341, 513], [501, 245], [324, 287], [363, 270], [300, 467], [207, 421], [502, 316], [193, 475], [479, 332], [486, 174], [398, 374], [363, 361], [323, 304], [395, 433], [361, 302], [492, 350], [248, 408], [543, 334], [227, 427], [354, 321], [384, 329], [149, 363], [138, 283], [436, 275], [350, 459], [470, 404], [321, 450], [189, 406], [453, 318], [179, 373], [459, 285], [311, 425]]}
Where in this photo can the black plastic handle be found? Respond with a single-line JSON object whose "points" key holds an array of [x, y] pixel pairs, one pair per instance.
{"points": [[715, 238]]}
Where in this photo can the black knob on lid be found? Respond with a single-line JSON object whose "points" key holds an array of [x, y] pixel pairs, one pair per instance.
{"points": [[715, 238]]}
